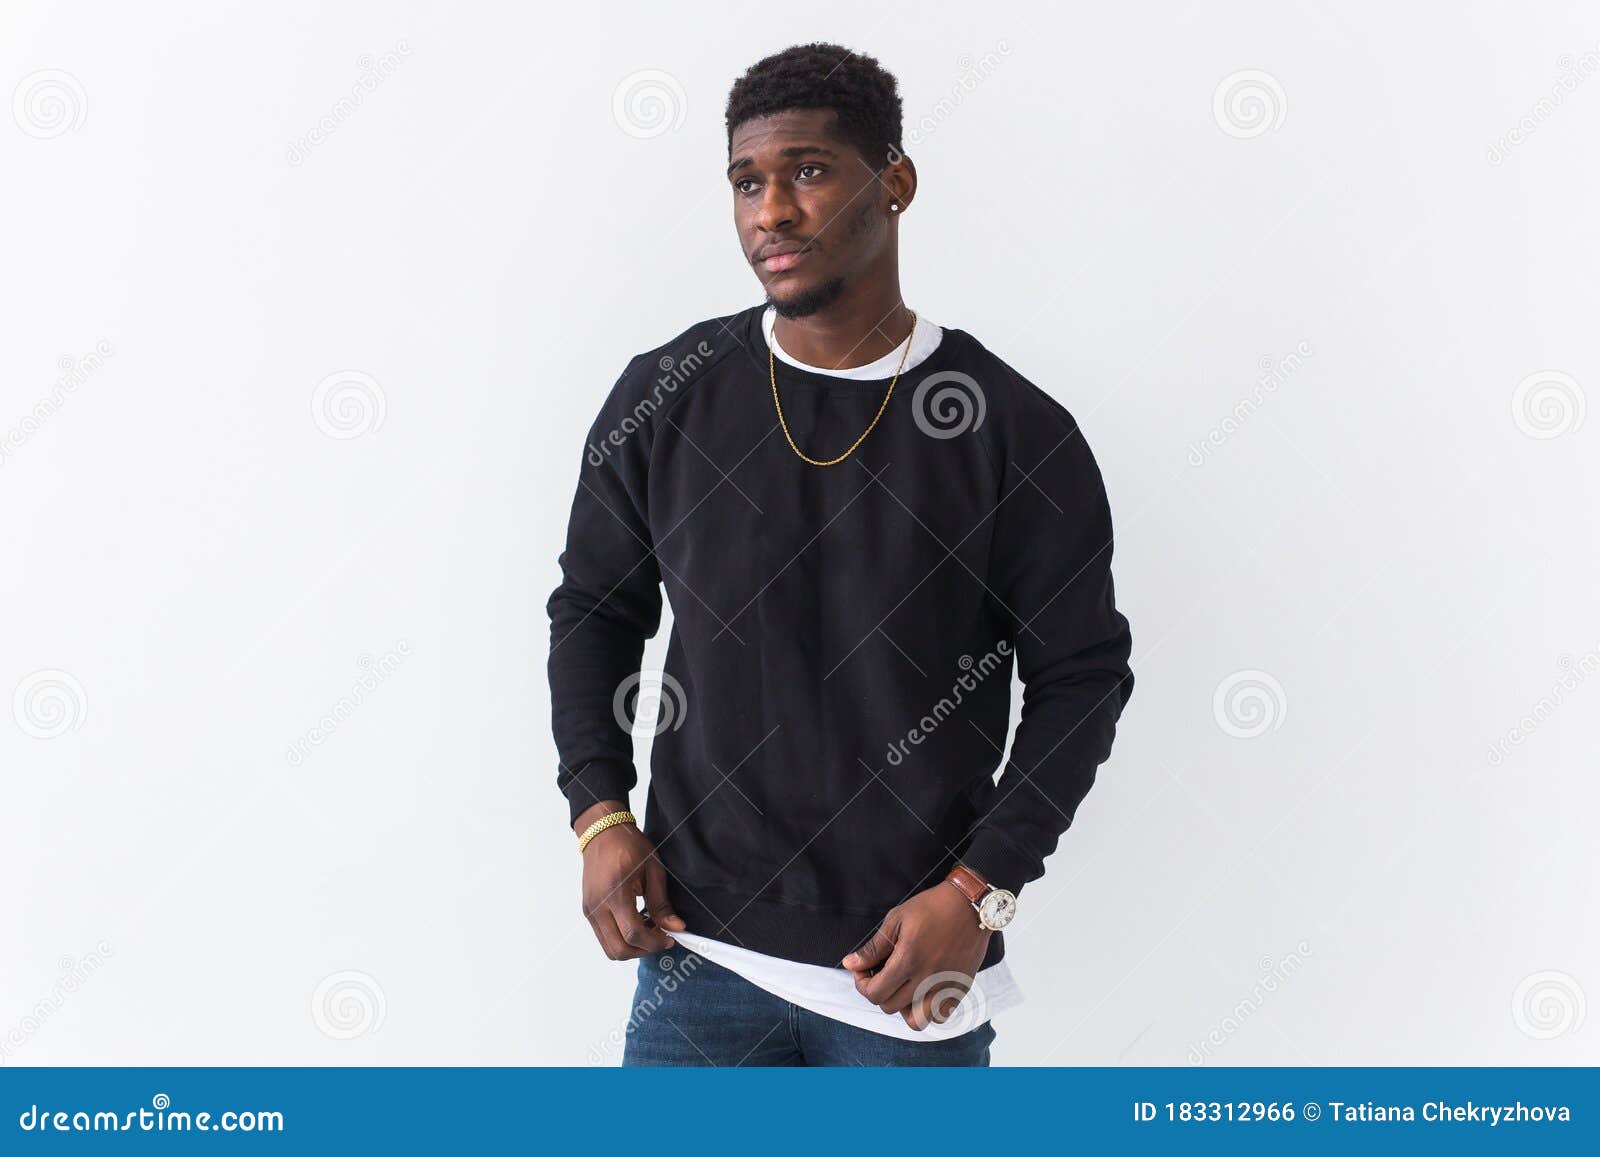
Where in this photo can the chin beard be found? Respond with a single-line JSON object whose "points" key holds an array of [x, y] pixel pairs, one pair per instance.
{"points": [[808, 301]]}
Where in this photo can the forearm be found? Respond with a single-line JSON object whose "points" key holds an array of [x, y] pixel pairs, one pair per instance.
{"points": [[590, 660], [1066, 732], [1052, 567], [607, 604]]}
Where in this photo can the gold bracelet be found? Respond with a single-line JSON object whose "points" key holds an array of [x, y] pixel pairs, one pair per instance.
{"points": [[606, 821]]}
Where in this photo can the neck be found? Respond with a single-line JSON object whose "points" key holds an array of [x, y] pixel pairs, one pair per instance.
{"points": [[853, 331]]}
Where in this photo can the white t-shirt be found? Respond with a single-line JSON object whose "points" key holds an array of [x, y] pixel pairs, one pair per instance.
{"points": [[831, 992]]}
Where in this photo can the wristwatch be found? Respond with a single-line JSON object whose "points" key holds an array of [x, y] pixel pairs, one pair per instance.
{"points": [[995, 906]]}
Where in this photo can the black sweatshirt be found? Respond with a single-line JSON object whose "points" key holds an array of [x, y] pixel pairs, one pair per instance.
{"points": [[837, 687]]}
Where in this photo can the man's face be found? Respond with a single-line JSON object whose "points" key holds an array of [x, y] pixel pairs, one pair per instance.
{"points": [[810, 210]]}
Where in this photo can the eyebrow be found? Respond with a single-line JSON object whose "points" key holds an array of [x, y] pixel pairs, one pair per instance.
{"points": [[791, 151]]}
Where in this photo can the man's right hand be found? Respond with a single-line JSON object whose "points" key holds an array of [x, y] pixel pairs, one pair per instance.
{"points": [[619, 867]]}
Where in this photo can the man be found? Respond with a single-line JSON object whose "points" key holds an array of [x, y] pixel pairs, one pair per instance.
{"points": [[860, 519]]}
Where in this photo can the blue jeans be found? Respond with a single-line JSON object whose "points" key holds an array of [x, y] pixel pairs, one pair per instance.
{"points": [[693, 1012]]}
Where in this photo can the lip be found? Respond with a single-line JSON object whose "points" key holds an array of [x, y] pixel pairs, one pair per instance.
{"points": [[782, 261], [785, 255]]}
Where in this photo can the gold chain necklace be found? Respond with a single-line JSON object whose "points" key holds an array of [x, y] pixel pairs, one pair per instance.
{"points": [[772, 370]]}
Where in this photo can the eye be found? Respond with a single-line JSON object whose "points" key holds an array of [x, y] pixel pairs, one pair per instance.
{"points": [[815, 171]]}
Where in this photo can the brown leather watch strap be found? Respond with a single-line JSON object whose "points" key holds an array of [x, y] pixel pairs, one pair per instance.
{"points": [[968, 883]]}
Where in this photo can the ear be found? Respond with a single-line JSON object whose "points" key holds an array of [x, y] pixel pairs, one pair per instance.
{"points": [[899, 181]]}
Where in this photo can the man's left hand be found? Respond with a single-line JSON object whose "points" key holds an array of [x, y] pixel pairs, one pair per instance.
{"points": [[936, 931]]}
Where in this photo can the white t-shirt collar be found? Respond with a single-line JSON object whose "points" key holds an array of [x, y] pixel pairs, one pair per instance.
{"points": [[924, 341]]}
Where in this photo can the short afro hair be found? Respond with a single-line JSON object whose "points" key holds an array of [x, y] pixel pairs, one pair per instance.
{"points": [[862, 95]]}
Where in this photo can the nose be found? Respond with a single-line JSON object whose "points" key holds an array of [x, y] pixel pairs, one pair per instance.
{"points": [[777, 210]]}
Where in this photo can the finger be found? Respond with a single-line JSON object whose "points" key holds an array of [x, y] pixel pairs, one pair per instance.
{"points": [[899, 999], [655, 898], [896, 973], [640, 937], [917, 1017], [926, 1008], [941, 1000], [936, 998], [605, 931], [875, 951]]}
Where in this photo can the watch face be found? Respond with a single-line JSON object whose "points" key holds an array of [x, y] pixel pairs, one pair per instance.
{"points": [[997, 909]]}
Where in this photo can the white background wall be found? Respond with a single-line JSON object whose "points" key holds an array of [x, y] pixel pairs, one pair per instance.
{"points": [[194, 567]]}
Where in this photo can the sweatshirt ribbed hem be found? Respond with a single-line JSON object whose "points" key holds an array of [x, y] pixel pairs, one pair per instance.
{"points": [[807, 935]]}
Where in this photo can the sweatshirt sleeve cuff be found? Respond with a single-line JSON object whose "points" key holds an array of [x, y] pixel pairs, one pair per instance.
{"points": [[1000, 862], [596, 782]]}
